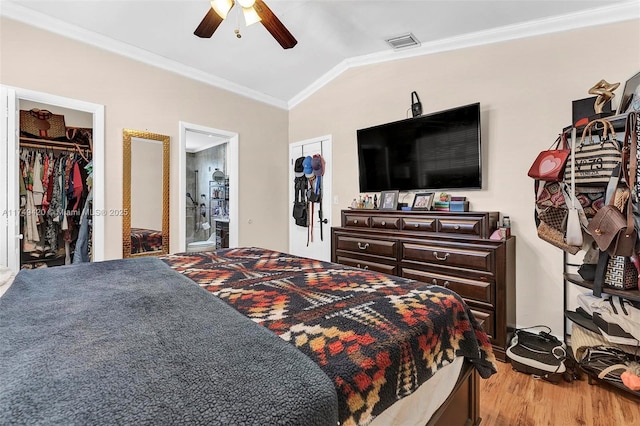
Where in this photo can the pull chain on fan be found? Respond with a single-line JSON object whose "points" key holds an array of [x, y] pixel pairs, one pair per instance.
{"points": [[237, 30], [253, 11]]}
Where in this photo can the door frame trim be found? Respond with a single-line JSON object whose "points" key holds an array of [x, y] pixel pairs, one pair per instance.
{"points": [[14, 95]]}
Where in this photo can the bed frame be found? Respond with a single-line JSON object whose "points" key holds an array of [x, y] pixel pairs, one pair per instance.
{"points": [[462, 407]]}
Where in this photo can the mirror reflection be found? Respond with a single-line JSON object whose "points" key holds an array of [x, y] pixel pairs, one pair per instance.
{"points": [[146, 194]]}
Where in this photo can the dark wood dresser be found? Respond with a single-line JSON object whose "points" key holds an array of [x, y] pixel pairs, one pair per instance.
{"points": [[450, 249]]}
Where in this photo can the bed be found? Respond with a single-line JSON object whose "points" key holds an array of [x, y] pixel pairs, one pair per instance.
{"points": [[264, 338], [145, 240]]}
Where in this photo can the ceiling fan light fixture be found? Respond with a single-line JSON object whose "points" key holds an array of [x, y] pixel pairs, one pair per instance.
{"points": [[222, 7], [250, 16]]}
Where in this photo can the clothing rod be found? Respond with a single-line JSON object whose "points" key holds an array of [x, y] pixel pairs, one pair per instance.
{"points": [[42, 143], [70, 148]]}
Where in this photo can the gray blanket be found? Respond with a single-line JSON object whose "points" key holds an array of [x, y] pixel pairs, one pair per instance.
{"points": [[133, 342]]}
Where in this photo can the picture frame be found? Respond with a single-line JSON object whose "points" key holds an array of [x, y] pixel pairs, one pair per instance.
{"points": [[422, 201], [630, 100], [389, 200]]}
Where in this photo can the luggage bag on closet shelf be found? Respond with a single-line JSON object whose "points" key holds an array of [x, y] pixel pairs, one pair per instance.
{"points": [[41, 123]]}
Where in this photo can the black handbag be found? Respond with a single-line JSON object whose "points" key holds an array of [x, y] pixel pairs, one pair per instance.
{"points": [[539, 354]]}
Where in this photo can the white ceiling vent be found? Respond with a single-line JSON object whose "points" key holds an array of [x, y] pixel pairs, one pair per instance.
{"points": [[403, 41]]}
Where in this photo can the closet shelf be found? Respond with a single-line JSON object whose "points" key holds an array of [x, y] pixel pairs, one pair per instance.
{"points": [[618, 121], [627, 294]]}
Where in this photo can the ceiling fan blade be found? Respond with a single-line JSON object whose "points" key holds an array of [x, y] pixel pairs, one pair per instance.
{"points": [[208, 25], [274, 26]]}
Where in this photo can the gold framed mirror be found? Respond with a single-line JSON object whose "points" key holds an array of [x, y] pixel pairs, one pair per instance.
{"points": [[145, 193]]}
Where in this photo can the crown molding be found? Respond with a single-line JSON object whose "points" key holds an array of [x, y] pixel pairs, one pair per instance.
{"points": [[600, 16], [605, 15], [30, 17]]}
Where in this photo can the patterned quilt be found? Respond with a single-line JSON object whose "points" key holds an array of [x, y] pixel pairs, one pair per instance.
{"points": [[377, 337], [144, 240]]}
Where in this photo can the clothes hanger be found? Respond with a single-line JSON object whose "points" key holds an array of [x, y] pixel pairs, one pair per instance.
{"points": [[80, 152]]}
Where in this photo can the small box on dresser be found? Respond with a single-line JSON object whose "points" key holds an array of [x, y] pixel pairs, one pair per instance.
{"points": [[451, 249]]}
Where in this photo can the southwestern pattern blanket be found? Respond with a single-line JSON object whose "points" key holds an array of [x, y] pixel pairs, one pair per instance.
{"points": [[145, 240], [376, 336]]}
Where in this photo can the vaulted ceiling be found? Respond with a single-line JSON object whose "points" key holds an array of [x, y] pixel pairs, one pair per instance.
{"points": [[332, 35]]}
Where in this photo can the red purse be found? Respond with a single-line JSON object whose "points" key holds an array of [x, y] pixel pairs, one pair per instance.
{"points": [[549, 165]]}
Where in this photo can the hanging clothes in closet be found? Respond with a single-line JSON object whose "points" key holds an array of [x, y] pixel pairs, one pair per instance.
{"points": [[55, 204]]}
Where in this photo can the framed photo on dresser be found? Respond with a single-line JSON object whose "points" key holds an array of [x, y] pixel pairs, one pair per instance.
{"points": [[422, 201], [389, 200]]}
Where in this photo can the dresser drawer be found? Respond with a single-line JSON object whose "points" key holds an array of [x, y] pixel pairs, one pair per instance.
{"points": [[482, 291], [367, 246], [419, 224], [367, 265], [360, 221], [385, 222], [469, 257], [467, 226], [487, 318]]}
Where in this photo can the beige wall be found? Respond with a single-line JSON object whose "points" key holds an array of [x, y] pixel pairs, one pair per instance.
{"points": [[141, 97], [525, 88]]}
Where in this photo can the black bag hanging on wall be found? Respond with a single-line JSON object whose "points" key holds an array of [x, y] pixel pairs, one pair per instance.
{"points": [[300, 206], [300, 203]]}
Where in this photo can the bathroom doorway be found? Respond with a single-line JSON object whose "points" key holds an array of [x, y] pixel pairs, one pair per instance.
{"points": [[207, 180], [208, 184]]}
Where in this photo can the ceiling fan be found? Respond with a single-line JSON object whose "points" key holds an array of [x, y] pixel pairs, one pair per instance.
{"points": [[254, 11]]}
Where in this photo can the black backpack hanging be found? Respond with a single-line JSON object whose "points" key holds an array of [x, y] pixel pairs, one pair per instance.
{"points": [[300, 203]]}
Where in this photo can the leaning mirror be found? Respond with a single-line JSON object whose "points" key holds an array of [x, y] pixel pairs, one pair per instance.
{"points": [[145, 192]]}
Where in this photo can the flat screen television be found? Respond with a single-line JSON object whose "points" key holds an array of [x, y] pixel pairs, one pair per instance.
{"points": [[439, 151]]}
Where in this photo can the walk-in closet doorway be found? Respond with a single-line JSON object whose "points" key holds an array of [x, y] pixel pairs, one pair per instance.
{"points": [[10, 232]]}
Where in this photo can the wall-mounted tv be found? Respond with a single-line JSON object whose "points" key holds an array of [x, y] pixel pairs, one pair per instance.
{"points": [[439, 151]]}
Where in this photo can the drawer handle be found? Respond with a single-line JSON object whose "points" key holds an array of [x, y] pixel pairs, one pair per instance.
{"points": [[456, 227], [355, 221], [365, 267], [445, 284], [363, 246], [383, 223], [435, 254], [417, 225]]}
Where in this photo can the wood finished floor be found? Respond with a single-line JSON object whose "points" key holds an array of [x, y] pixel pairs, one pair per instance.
{"points": [[510, 398]]}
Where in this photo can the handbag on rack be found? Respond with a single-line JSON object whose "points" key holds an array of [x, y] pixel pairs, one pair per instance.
{"points": [[556, 238], [573, 235], [595, 161], [550, 194], [555, 217], [632, 137], [612, 230], [621, 273], [549, 165]]}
